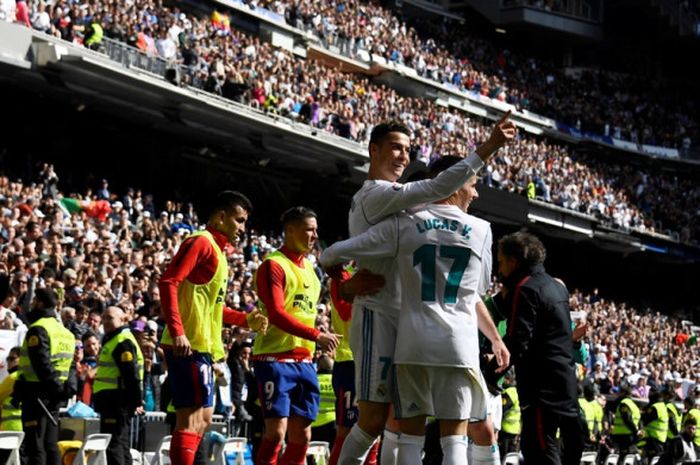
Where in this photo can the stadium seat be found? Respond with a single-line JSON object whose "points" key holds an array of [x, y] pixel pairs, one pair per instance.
{"points": [[136, 457], [237, 445], [612, 459], [512, 458], [589, 457], [11, 440], [320, 451], [93, 450], [161, 455], [654, 460], [631, 459]]}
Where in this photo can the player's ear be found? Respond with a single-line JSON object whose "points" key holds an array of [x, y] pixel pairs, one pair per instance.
{"points": [[373, 149]]}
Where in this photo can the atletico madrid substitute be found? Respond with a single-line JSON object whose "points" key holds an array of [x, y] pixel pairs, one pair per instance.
{"points": [[193, 289]]}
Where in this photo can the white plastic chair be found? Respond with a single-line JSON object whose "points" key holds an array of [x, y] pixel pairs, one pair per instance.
{"points": [[237, 445], [11, 440], [320, 451], [612, 459], [93, 450], [162, 453], [630, 459], [136, 457], [589, 458], [512, 458]]}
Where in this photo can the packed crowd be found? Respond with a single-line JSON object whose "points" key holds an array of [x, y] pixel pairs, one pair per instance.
{"points": [[94, 263], [101, 249], [603, 102], [643, 350], [225, 61]]}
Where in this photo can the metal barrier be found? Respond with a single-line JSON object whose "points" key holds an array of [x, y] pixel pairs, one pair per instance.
{"points": [[132, 57]]}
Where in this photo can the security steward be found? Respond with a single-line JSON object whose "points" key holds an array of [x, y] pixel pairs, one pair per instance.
{"points": [[588, 415], [11, 416], [593, 414], [655, 420], [323, 428], [511, 425], [692, 410], [675, 424], [47, 379], [625, 430], [118, 393]]}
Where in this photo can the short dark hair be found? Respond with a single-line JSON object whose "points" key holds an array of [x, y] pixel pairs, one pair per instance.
{"points": [[296, 214], [46, 297], [229, 200], [442, 163], [96, 310], [81, 308], [381, 130], [87, 335], [526, 248]]}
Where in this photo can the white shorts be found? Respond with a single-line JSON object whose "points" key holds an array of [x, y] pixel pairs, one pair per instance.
{"points": [[447, 393], [372, 340], [495, 409]]}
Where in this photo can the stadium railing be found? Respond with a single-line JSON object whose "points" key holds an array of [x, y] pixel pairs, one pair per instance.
{"points": [[49, 50], [133, 57]]}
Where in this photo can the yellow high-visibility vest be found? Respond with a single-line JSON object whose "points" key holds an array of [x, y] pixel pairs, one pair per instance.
{"points": [[619, 426], [11, 415], [673, 412], [62, 347], [658, 429], [202, 307], [108, 375], [695, 413], [511, 423], [326, 411], [301, 291]]}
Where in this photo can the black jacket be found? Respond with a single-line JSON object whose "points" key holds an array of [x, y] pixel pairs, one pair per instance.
{"points": [[539, 340], [237, 378], [675, 450]]}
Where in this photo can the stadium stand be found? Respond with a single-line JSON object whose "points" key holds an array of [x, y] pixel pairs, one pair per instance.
{"points": [[225, 61], [444, 50], [100, 248], [105, 248]]}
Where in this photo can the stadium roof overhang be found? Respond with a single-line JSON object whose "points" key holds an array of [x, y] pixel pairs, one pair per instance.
{"points": [[54, 67]]}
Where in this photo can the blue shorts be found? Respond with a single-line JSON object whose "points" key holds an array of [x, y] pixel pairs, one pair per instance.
{"points": [[346, 412], [288, 389], [191, 379]]}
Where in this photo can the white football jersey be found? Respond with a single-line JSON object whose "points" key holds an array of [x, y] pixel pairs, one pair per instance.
{"points": [[443, 257], [376, 200]]}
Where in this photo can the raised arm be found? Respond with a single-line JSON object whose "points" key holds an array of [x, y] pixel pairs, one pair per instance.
{"points": [[387, 199], [379, 241]]}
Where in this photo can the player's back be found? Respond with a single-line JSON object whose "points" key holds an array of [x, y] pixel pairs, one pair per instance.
{"points": [[444, 261]]}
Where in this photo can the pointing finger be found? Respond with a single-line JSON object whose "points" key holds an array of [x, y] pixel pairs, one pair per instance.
{"points": [[504, 118]]}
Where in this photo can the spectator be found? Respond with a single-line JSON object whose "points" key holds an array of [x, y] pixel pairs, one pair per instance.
{"points": [[255, 73], [87, 367]]}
